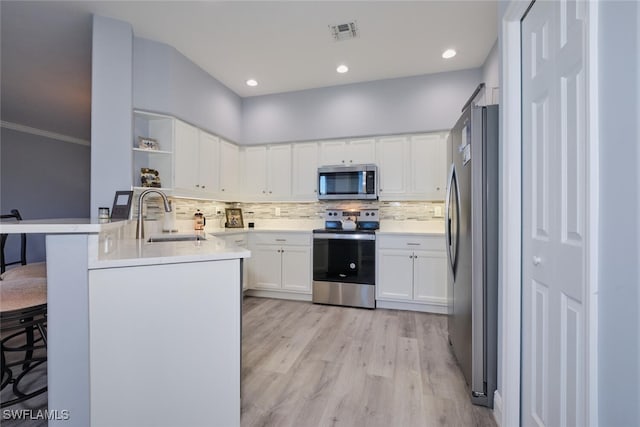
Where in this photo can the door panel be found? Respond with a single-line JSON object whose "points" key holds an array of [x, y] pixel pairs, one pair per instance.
{"points": [[395, 274], [554, 201], [296, 268]]}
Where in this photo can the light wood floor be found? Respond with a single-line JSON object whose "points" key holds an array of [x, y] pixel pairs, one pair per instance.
{"points": [[313, 365]]}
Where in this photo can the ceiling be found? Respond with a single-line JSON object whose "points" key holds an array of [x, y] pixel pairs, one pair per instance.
{"points": [[284, 45]]}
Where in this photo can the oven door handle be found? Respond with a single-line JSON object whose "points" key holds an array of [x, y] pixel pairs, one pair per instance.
{"points": [[338, 236]]}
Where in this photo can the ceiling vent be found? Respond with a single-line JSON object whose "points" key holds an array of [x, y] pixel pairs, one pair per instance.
{"points": [[344, 31]]}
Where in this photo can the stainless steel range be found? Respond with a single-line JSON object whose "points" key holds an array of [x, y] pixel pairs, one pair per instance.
{"points": [[344, 259]]}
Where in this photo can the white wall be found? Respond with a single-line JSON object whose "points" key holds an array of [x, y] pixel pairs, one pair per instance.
{"points": [[111, 117], [491, 76], [165, 81], [413, 104]]}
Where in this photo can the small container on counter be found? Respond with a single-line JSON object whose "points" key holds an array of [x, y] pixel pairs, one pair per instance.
{"points": [[199, 221], [103, 214]]}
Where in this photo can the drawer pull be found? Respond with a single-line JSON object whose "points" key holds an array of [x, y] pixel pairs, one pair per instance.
{"points": [[281, 240], [413, 244]]}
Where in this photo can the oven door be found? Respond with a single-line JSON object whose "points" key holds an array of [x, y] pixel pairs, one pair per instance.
{"points": [[344, 269]]}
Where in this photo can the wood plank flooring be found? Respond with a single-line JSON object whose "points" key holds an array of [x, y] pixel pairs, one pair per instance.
{"points": [[313, 365]]}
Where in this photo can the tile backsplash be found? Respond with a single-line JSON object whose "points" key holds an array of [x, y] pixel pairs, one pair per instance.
{"points": [[185, 208]]}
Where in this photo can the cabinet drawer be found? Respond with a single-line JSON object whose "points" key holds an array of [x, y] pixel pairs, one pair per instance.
{"points": [[237, 240], [283, 239], [434, 243]]}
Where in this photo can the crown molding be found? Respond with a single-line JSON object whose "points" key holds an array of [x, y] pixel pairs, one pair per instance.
{"points": [[44, 133]]}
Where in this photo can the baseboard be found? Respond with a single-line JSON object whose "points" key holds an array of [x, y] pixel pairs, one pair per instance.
{"points": [[497, 408], [277, 294], [412, 306]]}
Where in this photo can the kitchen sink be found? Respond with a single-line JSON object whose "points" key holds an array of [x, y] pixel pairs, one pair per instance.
{"points": [[176, 238]]}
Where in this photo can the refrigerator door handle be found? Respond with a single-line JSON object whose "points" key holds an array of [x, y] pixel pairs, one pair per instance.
{"points": [[449, 215]]}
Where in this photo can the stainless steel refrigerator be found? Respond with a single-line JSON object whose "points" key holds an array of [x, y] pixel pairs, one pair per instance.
{"points": [[471, 229]]}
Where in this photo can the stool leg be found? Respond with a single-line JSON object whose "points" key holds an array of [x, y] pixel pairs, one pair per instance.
{"points": [[29, 353]]}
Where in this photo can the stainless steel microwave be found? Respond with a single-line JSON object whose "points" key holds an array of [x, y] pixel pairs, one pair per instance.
{"points": [[348, 182]]}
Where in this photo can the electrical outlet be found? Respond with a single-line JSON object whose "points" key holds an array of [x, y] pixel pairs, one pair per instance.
{"points": [[277, 211], [437, 211]]}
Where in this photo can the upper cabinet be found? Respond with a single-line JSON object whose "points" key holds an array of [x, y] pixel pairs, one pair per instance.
{"points": [[304, 178], [267, 172], [193, 163], [153, 147], [412, 167], [429, 165], [190, 162], [196, 161], [350, 152], [229, 170]]}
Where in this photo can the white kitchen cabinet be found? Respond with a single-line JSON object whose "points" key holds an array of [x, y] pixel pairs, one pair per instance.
{"points": [[304, 171], [267, 172], [412, 270], [412, 168], [351, 152], [196, 161], [280, 262], [393, 155], [229, 167], [429, 166], [160, 128]]}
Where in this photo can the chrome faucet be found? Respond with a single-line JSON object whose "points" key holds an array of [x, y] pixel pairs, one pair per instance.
{"points": [[140, 225]]}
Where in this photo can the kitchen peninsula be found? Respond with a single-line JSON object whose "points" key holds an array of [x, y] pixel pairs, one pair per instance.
{"points": [[139, 333]]}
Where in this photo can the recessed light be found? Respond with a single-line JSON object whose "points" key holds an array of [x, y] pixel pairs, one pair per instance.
{"points": [[342, 69], [252, 82], [449, 53]]}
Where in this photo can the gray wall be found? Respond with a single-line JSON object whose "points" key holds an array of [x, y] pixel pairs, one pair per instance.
{"points": [[42, 178], [619, 251], [165, 81], [491, 74], [111, 118], [413, 104]]}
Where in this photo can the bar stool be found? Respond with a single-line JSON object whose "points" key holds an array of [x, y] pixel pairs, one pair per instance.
{"points": [[23, 324]]}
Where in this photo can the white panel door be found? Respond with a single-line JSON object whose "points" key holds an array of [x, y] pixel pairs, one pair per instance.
{"points": [[229, 169], [332, 153], [395, 274], [296, 268], [553, 238], [208, 162], [429, 166], [186, 156], [305, 171], [430, 277], [392, 164], [360, 151], [265, 267], [279, 172], [255, 172]]}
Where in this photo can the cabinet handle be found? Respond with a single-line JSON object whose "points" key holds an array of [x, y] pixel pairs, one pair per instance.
{"points": [[222, 189], [438, 188], [281, 240], [315, 191], [413, 244], [197, 185], [343, 161], [203, 186], [269, 191], [263, 191], [239, 241], [350, 161]]}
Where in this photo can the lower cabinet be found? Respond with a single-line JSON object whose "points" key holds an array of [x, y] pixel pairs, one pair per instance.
{"points": [[280, 262], [412, 270]]}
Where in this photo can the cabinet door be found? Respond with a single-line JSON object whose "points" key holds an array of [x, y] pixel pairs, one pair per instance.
{"points": [[255, 172], [279, 172], [296, 268], [265, 267], [429, 166], [305, 171], [392, 166], [332, 153], [229, 169], [430, 277], [208, 163], [395, 274], [186, 156], [360, 151]]}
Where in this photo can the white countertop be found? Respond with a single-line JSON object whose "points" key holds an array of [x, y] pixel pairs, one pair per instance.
{"points": [[132, 252], [412, 227], [59, 226]]}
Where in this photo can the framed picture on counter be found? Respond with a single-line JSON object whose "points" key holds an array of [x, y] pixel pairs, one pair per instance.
{"points": [[234, 218]]}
